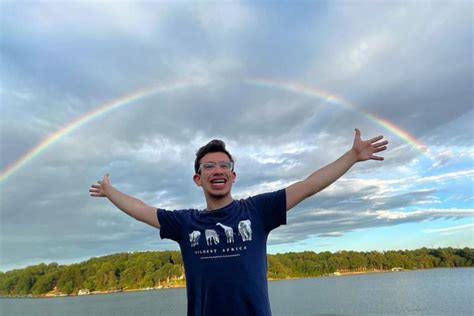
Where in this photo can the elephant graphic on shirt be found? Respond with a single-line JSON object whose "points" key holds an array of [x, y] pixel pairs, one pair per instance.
{"points": [[194, 238], [245, 230], [211, 237]]}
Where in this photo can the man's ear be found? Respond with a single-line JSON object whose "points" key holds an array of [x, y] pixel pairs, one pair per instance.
{"points": [[197, 179], [235, 176]]}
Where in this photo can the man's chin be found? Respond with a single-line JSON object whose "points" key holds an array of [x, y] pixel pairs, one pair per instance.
{"points": [[219, 195]]}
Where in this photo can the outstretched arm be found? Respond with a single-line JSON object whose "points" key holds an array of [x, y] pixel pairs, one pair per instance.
{"points": [[128, 204], [320, 179]]}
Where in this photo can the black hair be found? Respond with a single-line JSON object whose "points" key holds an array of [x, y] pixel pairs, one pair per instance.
{"points": [[214, 146]]}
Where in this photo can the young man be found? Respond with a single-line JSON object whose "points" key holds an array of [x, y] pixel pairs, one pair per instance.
{"points": [[224, 245]]}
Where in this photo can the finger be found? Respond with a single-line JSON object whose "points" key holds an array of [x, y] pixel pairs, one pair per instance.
{"points": [[376, 150], [95, 186], [375, 139], [379, 144], [376, 158]]}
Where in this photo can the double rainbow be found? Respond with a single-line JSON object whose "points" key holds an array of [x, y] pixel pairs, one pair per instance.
{"points": [[294, 87]]}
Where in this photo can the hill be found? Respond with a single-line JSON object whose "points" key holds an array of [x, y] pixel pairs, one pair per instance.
{"points": [[142, 270]]}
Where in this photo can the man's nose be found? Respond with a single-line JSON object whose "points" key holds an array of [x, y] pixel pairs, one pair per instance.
{"points": [[218, 170]]}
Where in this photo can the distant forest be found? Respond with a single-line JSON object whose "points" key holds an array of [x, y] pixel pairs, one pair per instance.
{"points": [[140, 270]]}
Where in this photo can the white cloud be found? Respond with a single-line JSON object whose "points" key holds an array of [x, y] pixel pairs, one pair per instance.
{"points": [[446, 176], [93, 18], [424, 214], [226, 17], [452, 230], [362, 53]]}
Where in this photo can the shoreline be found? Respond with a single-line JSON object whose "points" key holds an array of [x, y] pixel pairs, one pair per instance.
{"points": [[58, 295], [55, 294], [335, 274]]}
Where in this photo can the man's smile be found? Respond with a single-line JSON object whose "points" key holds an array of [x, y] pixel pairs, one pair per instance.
{"points": [[218, 182]]}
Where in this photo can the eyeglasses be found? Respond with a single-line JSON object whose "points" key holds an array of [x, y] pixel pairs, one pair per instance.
{"points": [[208, 166]]}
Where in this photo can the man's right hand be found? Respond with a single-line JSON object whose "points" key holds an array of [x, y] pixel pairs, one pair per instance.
{"points": [[128, 204], [98, 190]]}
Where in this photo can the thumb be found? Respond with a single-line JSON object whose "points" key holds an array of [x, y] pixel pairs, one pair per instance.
{"points": [[357, 133], [106, 179]]}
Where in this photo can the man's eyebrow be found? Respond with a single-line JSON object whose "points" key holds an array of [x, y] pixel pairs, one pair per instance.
{"points": [[216, 161]]}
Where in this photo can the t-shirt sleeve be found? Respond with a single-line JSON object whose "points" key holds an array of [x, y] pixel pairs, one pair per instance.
{"points": [[171, 223], [272, 208]]}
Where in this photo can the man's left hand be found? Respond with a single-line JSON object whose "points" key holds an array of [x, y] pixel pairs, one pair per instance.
{"points": [[365, 149]]}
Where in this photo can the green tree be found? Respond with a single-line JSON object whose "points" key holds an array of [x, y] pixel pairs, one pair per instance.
{"points": [[45, 283], [106, 278]]}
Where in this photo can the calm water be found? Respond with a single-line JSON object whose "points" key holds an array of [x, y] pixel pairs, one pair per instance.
{"points": [[424, 292]]}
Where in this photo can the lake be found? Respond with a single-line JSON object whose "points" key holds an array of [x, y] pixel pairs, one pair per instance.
{"points": [[421, 292]]}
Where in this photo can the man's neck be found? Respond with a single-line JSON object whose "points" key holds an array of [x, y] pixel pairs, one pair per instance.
{"points": [[217, 203]]}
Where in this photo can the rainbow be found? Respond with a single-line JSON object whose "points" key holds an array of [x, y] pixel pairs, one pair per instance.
{"points": [[89, 116], [302, 89], [294, 87]]}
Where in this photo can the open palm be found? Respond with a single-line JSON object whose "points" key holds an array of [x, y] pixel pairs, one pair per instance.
{"points": [[365, 149], [98, 190]]}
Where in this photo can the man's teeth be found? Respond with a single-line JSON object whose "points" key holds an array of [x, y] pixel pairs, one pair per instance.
{"points": [[218, 181]]}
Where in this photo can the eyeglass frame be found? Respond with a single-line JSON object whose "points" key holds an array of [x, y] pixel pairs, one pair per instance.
{"points": [[214, 164]]}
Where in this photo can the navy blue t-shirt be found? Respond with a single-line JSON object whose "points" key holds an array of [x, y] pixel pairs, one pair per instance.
{"points": [[225, 255]]}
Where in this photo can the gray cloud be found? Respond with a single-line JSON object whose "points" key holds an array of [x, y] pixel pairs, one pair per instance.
{"points": [[335, 225]]}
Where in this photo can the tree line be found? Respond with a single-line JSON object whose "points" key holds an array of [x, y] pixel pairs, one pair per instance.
{"points": [[126, 271]]}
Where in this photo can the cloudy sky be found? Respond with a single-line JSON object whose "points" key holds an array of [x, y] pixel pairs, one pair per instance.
{"points": [[135, 88]]}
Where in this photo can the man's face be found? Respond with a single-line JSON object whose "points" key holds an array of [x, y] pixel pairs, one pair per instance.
{"points": [[216, 181]]}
